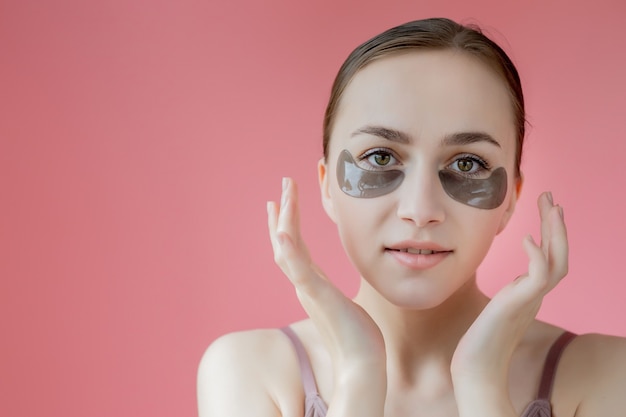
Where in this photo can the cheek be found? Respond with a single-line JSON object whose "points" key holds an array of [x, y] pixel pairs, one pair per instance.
{"points": [[360, 224], [481, 228], [472, 240], [358, 215], [473, 228]]}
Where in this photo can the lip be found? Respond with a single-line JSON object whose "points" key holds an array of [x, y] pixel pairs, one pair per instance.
{"points": [[412, 244], [417, 261]]}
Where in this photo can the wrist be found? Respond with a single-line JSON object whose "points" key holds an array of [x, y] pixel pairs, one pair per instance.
{"points": [[482, 397], [361, 373], [359, 390]]}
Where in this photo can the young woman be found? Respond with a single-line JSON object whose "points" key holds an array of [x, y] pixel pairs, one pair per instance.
{"points": [[423, 138]]}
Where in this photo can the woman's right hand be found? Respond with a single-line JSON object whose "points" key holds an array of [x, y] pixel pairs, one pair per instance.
{"points": [[353, 339]]}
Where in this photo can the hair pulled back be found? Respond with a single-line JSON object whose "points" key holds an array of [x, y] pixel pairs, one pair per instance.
{"points": [[435, 33]]}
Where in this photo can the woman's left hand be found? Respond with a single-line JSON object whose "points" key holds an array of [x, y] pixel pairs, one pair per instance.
{"points": [[481, 360]]}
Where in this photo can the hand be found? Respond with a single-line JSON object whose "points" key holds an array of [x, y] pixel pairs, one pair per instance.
{"points": [[484, 352], [350, 334]]}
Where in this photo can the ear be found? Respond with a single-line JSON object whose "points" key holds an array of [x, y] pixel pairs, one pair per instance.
{"points": [[327, 201], [519, 182]]}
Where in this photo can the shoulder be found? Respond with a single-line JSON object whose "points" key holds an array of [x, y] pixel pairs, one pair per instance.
{"points": [[595, 367], [604, 351], [251, 372], [600, 358]]}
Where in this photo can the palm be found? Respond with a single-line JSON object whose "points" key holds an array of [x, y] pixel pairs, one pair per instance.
{"points": [[348, 331], [488, 344]]}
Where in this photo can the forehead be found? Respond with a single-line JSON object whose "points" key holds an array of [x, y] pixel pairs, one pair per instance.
{"points": [[428, 94]]}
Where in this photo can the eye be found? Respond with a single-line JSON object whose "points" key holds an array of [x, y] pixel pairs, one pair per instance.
{"points": [[381, 159], [469, 165], [465, 164], [378, 159]]}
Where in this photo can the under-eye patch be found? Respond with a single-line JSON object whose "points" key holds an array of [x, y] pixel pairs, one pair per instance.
{"points": [[487, 193], [362, 183]]}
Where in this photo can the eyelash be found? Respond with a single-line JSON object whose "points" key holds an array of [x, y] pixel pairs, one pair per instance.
{"points": [[483, 165]]}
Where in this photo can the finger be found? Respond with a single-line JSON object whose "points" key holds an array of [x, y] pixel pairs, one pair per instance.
{"points": [[289, 218], [293, 193], [296, 263], [291, 253], [274, 212], [272, 215], [537, 279], [559, 247], [545, 203]]}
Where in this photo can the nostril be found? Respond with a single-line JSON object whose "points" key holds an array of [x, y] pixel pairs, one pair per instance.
{"points": [[421, 211]]}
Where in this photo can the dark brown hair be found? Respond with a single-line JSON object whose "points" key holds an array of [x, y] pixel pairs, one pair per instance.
{"points": [[435, 33]]}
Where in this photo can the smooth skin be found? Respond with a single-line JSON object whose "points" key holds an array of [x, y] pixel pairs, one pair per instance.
{"points": [[416, 341]]}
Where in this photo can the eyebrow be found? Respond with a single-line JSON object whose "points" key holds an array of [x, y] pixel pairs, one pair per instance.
{"points": [[383, 132], [453, 139], [466, 138]]}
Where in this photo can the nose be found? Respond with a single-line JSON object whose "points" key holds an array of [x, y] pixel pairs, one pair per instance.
{"points": [[421, 198]]}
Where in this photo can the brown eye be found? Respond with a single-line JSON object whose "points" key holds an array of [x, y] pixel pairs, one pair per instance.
{"points": [[465, 165], [382, 159]]}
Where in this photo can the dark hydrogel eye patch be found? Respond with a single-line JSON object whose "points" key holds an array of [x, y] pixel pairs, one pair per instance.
{"points": [[487, 193], [362, 183]]}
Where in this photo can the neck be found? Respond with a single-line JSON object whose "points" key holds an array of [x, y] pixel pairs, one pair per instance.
{"points": [[417, 339]]}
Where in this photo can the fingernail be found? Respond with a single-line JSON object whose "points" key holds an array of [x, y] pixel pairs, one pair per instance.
{"points": [[285, 183], [550, 197], [561, 213]]}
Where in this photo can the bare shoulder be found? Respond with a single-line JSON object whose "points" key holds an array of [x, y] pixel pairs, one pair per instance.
{"points": [[247, 373], [594, 367]]}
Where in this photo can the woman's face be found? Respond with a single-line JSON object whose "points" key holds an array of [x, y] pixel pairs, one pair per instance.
{"points": [[424, 114]]}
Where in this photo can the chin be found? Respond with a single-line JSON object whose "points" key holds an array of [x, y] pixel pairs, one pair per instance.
{"points": [[416, 294], [422, 302], [421, 292]]}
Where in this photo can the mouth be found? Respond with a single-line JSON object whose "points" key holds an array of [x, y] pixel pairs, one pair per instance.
{"points": [[418, 258], [419, 251], [416, 251]]}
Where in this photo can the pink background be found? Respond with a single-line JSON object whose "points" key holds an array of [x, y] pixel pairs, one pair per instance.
{"points": [[140, 140]]}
